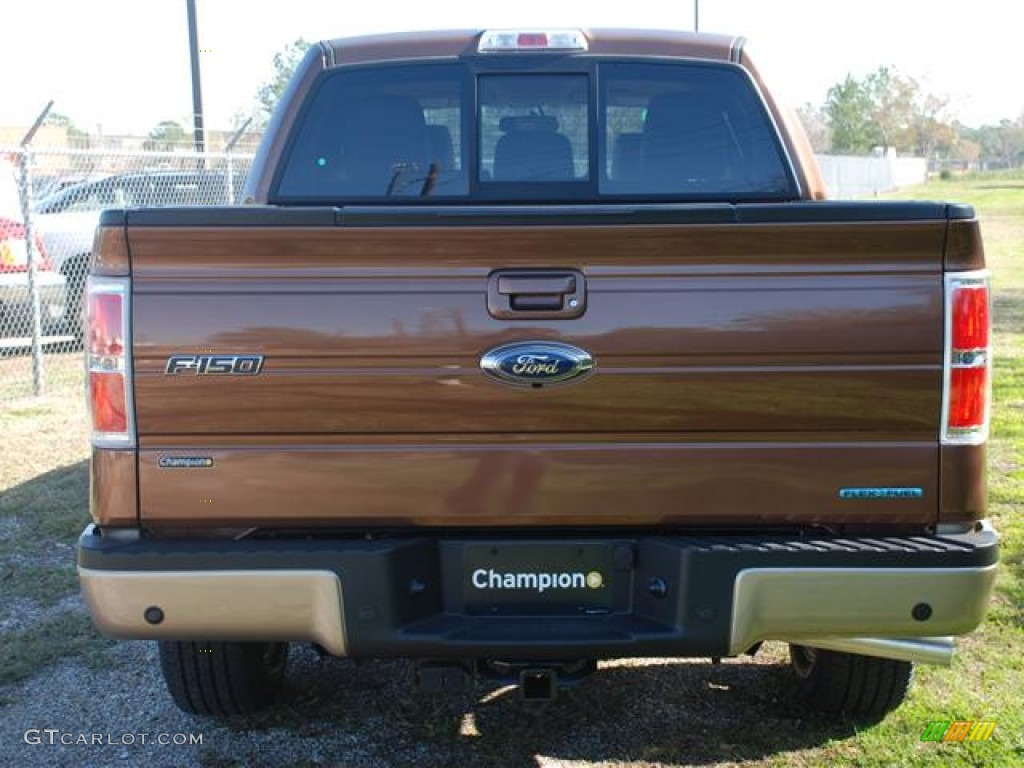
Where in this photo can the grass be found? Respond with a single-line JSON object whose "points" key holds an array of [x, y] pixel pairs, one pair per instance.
{"points": [[44, 492], [632, 713], [69, 634], [45, 586], [62, 372]]}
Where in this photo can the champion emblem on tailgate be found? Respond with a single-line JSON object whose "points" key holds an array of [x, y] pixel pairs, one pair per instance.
{"points": [[185, 462], [536, 363]]}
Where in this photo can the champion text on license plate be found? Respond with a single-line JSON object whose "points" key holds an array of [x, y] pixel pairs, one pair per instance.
{"points": [[537, 577]]}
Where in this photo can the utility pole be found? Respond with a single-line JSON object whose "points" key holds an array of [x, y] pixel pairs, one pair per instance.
{"points": [[696, 15], [197, 90]]}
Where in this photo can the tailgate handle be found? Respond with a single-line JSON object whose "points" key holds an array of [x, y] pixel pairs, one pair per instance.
{"points": [[536, 284], [532, 302], [536, 294]]}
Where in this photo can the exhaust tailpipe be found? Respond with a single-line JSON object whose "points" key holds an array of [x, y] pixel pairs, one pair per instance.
{"points": [[926, 650]]}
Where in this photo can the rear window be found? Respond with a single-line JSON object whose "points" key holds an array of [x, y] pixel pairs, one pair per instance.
{"points": [[388, 132], [612, 130], [686, 131]]}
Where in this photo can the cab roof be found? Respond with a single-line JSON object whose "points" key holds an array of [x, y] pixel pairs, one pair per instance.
{"points": [[455, 43]]}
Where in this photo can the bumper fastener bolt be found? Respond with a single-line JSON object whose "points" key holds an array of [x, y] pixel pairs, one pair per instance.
{"points": [[153, 615]]}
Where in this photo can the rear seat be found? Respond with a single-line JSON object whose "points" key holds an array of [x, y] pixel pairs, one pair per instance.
{"points": [[532, 149]]}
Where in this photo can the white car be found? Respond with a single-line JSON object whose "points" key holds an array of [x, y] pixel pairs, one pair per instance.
{"points": [[15, 296]]}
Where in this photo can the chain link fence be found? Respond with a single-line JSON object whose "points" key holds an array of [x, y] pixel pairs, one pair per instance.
{"points": [[50, 203]]}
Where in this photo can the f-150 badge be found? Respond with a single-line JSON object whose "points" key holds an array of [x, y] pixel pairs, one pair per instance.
{"points": [[536, 363], [213, 365]]}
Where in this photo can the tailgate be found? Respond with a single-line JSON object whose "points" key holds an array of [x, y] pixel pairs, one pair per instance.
{"points": [[750, 364]]}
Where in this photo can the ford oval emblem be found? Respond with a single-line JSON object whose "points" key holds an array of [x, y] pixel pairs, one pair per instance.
{"points": [[536, 363]]}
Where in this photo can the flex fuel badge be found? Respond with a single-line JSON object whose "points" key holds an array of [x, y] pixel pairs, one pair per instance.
{"points": [[881, 493]]}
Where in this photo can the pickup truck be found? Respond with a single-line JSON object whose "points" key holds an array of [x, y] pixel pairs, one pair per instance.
{"points": [[533, 348]]}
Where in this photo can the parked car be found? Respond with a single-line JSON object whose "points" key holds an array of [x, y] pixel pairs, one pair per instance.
{"points": [[67, 219], [15, 296], [45, 185]]}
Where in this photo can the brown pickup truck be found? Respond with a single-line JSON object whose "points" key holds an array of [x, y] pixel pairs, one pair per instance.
{"points": [[535, 348]]}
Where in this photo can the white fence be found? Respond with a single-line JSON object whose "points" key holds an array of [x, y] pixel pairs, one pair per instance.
{"points": [[847, 177]]}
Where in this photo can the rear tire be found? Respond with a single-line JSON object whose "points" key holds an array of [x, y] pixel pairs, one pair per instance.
{"points": [[223, 679], [855, 685]]}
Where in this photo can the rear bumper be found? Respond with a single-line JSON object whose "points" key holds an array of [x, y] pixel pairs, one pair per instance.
{"points": [[409, 597]]}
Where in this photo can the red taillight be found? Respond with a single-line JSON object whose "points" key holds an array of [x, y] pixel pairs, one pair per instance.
{"points": [[967, 358], [106, 333], [108, 360], [108, 402], [970, 317], [967, 397]]}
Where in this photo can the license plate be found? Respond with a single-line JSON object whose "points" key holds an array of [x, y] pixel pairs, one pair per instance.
{"points": [[537, 577]]}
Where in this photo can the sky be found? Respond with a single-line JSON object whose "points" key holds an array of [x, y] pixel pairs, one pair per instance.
{"points": [[122, 66]]}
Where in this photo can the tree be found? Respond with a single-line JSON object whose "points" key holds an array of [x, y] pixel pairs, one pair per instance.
{"points": [[816, 124], [933, 134], [966, 150], [893, 100], [1004, 143], [166, 136], [77, 138], [284, 63], [849, 108], [57, 120], [888, 110]]}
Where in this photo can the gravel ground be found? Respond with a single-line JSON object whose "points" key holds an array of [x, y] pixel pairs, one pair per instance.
{"points": [[339, 713]]}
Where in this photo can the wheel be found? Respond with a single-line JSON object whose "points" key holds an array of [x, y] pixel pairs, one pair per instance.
{"points": [[861, 686], [221, 679]]}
